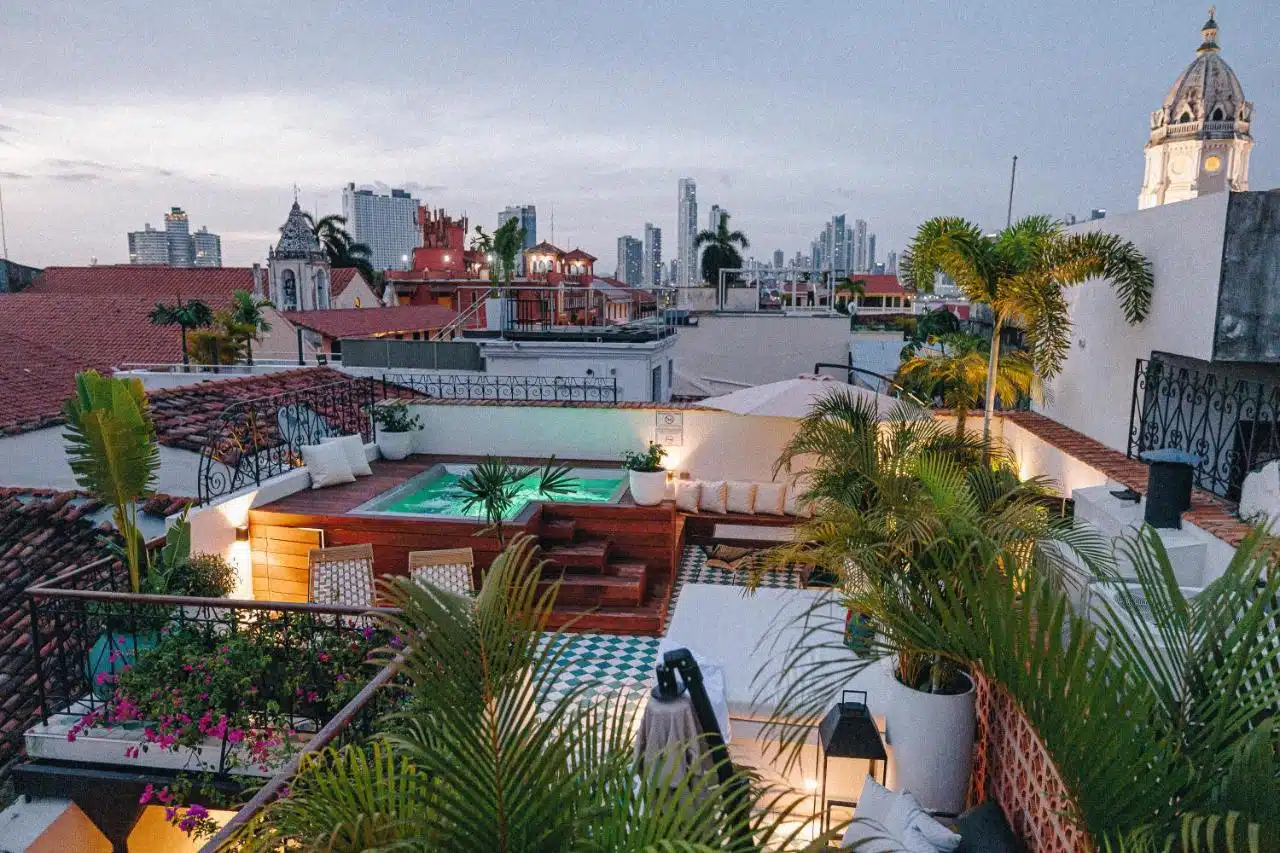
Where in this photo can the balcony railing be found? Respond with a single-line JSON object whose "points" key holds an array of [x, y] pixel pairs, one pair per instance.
{"points": [[578, 389], [254, 440], [1233, 425], [309, 663]]}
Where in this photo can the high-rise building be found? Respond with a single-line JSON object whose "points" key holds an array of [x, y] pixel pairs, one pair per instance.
{"points": [[528, 216], [1098, 213], [651, 274], [687, 233], [630, 261], [673, 272], [175, 246], [387, 224], [779, 259], [871, 251], [177, 230], [713, 217], [206, 249], [860, 245], [892, 266], [148, 246], [1200, 139]]}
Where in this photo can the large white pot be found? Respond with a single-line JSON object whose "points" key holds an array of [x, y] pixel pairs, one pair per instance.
{"points": [[932, 740], [394, 445], [493, 306], [648, 488]]}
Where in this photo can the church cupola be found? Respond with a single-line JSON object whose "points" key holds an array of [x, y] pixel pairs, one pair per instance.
{"points": [[298, 266], [1200, 140]]}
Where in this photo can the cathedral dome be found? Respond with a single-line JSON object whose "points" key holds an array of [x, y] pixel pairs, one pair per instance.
{"points": [[1208, 91]]}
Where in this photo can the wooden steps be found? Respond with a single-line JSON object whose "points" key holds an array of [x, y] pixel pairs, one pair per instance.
{"points": [[558, 530], [623, 587], [588, 555]]}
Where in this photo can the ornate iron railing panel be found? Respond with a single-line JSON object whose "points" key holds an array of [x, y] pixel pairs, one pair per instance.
{"points": [[257, 439], [580, 389], [1233, 425]]}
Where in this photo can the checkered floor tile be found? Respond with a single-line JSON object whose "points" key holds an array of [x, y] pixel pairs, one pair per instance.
{"points": [[611, 663]]}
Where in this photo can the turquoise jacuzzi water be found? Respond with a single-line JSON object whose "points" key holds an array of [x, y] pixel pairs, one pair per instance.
{"points": [[435, 493]]}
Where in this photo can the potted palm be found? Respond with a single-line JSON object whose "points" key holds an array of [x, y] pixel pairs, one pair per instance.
{"points": [[493, 487], [396, 426], [647, 476]]}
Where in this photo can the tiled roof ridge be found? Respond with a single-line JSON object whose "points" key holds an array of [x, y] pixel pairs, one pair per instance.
{"points": [[570, 404], [240, 381]]}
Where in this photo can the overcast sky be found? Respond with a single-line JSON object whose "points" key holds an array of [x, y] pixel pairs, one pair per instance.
{"points": [[784, 112]]}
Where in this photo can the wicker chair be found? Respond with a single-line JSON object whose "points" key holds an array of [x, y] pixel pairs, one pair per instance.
{"points": [[448, 569], [341, 575]]}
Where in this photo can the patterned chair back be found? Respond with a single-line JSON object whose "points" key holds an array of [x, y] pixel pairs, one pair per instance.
{"points": [[341, 575], [448, 569]]}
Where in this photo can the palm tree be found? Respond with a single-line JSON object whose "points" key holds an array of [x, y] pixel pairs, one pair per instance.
{"points": [[957, 372], [485, 760], [1020, 274], [247, 313], [721, 250], [192, 314], [338, 245], [508, 241], [111, 447], [493, 486]]}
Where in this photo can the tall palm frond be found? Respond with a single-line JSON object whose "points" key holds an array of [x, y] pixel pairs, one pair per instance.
{"points": [[720, 249]]}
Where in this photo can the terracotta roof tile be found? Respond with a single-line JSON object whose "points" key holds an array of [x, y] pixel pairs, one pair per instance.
{"points": [[365, 322]]}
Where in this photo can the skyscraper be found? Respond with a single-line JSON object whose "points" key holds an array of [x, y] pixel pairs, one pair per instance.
{"points": [[175, 246], [778, 259], [892, 266], [687, 233], [528, 216], [177, 231], [148, 246], [673, 272], [860, 245], [651, 274], [713, 217], [387, 224], [871, 252], [206, 249], [630, 260]]}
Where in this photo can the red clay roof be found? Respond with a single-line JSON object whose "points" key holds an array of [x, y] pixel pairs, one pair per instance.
{"points": [[880, 285], [579, 254], [365, 322], [339, 278], [161, 283]]}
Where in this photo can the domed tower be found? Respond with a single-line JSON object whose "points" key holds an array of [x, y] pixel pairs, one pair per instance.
{"points": [[297, 267], [1200, 138]]}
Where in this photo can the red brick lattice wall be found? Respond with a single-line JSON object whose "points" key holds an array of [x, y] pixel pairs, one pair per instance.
{"points": [[1013, 767]]}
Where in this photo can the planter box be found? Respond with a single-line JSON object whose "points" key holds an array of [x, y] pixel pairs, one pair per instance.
{"points": [[394, 445]]}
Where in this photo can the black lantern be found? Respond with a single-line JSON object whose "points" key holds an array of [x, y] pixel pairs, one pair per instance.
{"points": [[847, 731]]}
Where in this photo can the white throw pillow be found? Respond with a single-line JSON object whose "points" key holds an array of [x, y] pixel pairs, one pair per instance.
{"points": [[714, 497], [870, 820], [771, 498], [687, 495], [327, 464], [902, 814], [353, 446], [797, 507], [927, 835], [874, 802], [867, 836], [741, 497]]}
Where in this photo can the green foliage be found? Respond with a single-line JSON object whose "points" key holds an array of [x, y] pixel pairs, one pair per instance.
{"points": [[192, 314], [111, 446], [248, 319], [508, 242], [487, 762], [338, 244], [720, 250], [493, 486], [650, 460], [957, 371], [394, 416], [205, 576]]}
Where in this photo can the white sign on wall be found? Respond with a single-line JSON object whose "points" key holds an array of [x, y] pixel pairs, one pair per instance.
{"points": [[669, 429]]}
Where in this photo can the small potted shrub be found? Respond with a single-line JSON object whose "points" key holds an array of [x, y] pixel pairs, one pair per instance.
{"points": [[395, 429], [648, 477]]}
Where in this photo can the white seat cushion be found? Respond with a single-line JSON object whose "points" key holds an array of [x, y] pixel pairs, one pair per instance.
{"points": [[796, 506], [714, 497], [687, 492], [771, 498], [741, 497], [327, 464], [353, 446]]}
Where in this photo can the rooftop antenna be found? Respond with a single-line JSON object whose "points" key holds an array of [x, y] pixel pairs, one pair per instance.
{"points": [[4, 237], [295, 193], [1013, 175], [553, 225]]}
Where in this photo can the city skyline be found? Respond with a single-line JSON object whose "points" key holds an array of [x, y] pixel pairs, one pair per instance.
{"points": [[235, 132]]}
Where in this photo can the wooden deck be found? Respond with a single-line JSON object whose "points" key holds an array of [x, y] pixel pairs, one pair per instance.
{"points": [[618, 560]]}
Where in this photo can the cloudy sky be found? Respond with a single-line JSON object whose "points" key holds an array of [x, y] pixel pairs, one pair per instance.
{"points": [[784, 112]]}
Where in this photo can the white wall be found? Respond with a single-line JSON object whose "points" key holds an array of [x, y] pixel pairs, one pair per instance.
{"points": [[631, 365], [744, 350], [1184, 243], [716, 445], [37, 460]]}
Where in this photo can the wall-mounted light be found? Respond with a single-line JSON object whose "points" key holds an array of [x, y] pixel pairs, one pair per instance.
{"points": [[242, 533]]}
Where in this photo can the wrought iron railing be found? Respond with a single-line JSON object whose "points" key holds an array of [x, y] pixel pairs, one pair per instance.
{"points": [[1233, 425], [309, 661], [486, 387], [256, 439]]}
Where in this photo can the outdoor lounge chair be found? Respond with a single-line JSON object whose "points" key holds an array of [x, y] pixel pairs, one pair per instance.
{"points": [[448, 569], [341, 575]]}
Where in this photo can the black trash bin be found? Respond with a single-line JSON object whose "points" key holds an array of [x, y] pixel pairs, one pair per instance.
{"points": [[1169, 480]]}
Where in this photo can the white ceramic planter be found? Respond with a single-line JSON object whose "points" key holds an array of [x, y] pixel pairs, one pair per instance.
{"points": [[932, 740], [493, 313], [648, 488], [394, 445]]}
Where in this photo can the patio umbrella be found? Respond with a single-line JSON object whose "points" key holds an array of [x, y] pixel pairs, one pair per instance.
{"points": [[793, 398]]}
